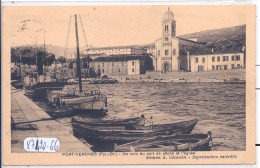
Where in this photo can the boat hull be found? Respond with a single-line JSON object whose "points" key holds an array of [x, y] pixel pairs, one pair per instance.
{"points": [[183, 142], [108, 124], [121, 136], [184, 126], [87, 103]]}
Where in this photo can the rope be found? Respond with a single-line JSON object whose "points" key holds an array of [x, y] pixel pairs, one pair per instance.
{"points": [[85, 38], [112, 108], [148, 121], [66, 47]]}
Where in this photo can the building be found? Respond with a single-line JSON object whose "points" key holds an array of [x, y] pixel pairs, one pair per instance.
{"points": [[118, 50], [212, 62], [201, 51], [122, 65], [172, 53]]}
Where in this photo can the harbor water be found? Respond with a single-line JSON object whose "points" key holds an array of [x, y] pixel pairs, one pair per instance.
{"points": [[219, 107]]}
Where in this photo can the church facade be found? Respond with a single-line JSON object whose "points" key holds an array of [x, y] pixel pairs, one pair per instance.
{"points": [[171, 52]]}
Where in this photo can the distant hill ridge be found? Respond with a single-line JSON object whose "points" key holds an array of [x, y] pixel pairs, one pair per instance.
{"points": [[230, 39], [217, 34], [224, 40]]}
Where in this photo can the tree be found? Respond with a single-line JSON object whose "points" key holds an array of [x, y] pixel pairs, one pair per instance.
{"points": [[86, 59], [62, 60]]}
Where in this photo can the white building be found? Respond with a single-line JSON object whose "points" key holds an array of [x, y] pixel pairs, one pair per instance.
{"points": [[212, 62], [118, 50]]}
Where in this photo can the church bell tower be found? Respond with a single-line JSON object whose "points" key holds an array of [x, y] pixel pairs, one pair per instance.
{"points": [[168, 26]]}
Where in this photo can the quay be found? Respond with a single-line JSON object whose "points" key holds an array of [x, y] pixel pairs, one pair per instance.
{"points": [[29, 120]]}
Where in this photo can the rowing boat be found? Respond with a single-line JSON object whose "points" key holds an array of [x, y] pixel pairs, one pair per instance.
{"points": [[121, 135], [111, 124], [182, 142]]}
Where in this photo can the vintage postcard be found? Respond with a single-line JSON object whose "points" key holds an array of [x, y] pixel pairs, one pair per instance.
{"points": [[129, 84]]}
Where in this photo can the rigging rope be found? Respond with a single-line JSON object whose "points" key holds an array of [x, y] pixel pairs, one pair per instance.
{"points": [[85, 38], [66, 47]]}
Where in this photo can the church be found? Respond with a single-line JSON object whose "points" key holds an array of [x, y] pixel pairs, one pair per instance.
{"points": [[172, 53]]}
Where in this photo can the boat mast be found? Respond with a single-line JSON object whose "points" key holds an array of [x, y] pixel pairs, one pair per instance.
{"points": [[78, 56]]}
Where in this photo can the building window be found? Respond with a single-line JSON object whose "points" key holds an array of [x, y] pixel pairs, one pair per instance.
{"points": [[233, 58], [166, 28], [238, 66], [197, 59], [166, 39], [166, 52], [225, 58], [218, 58], [118, 70], [213, 67], [203, 59], [238, 58], [103, 71], [233, 66], [133, 63], [103, 64], [174, 52], [213, 60], [225, 67], [218, 67], [159, 52], [133, 70]]}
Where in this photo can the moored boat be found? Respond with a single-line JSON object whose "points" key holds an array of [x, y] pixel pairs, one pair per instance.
{"points": [[185, 126], [130, 133], [41, 90], [77, 99], [182, 142], [234, 81], [111, 124]]}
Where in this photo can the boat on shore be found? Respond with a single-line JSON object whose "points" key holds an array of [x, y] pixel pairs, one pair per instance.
{"points": [[181, 142], [131, 132]]}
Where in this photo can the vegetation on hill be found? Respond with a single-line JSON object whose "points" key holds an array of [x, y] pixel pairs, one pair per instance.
{"points": [[225, 40]]}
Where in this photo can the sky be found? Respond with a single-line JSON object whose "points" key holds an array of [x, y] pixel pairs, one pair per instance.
{"points": [[114, 25]]}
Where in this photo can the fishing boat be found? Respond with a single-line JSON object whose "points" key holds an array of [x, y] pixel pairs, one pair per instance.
{"points": [[182, 142], [41, 90], [102, 124], [131, 132], [234, 81], [76, 98], [185, 126]]}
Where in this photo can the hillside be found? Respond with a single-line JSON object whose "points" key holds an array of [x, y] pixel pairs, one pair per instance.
{"points": [[225, 40]]}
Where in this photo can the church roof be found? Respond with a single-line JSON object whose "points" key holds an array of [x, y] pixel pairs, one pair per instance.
{"points": [[168, 15]]}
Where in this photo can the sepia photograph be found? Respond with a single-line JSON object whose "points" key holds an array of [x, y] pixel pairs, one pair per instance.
{"points": [[131, 79]]}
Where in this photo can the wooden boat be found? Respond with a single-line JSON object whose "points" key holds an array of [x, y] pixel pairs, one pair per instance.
{"points": [[41, 90], [234, 81], [111, 124], [185, 126], [86, 101], [127, 135], [182, 142], [79, 100]]}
